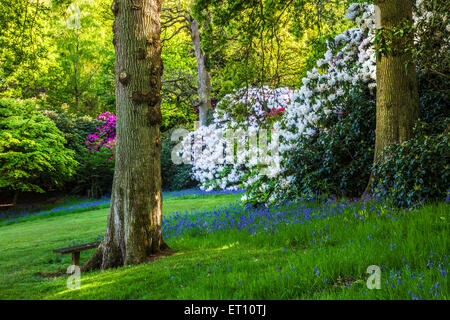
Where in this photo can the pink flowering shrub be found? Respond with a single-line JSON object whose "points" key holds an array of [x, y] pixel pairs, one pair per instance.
{"points": [[105, 136], [96, 170]]}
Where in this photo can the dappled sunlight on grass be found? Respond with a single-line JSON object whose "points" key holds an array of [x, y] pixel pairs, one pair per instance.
{"points": [[93, 285], [228, 246]]}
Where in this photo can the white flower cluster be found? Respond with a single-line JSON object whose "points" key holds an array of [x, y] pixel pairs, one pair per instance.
{"points": [[215, 166]]}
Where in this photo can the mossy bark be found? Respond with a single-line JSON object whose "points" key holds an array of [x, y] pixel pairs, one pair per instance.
{"points": [[134, 220]]}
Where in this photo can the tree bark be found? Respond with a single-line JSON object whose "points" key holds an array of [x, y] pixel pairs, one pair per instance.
{"points": [[204, 77], [397, 88], [134, 220], [15, 197], [77, 94]]}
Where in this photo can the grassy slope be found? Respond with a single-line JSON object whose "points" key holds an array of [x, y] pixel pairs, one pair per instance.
{"points": [[238, 265]]}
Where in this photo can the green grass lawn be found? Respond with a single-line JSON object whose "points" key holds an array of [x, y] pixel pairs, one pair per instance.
{"points": [[324, 258]]}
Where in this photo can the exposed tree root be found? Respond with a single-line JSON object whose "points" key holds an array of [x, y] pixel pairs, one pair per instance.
{"points": [[95, 262], [102, 260]]}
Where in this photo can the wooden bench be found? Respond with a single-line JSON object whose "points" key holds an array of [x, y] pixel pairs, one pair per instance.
{"points": [[75, 251]]}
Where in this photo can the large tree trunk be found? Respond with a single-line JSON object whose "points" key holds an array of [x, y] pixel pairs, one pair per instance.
{"points": [[204, 77], [397, 88], [134, 221]]}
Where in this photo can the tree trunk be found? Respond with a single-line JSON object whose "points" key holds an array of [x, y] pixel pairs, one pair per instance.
{"points": [[204, 77], [134, 221], [397, 88], [15, 197], [77, 94]]}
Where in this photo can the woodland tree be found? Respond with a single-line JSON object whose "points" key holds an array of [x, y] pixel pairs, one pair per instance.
{"points": [[184, 20], [134, 221], [397, 89]]}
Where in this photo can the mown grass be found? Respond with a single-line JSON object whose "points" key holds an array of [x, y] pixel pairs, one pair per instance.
{"points": [[323, 257]]}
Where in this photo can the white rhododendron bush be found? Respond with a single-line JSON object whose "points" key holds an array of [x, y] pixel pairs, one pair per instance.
{"points": [[243, 113]]}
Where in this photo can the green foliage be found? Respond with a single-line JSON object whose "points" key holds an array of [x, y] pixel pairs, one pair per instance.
{"points": [[174, 177], [176, 113], [318, 48], [85, 57], [395, 40], [25, 49], [337, 160], [416, 170], [75, 128], [261, 42], [434, 101], [41, 57], [32, 152], [94, 174]]}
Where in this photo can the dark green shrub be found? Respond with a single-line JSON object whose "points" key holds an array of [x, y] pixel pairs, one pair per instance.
{"points": [[95, 173], [75, 128], [337, 160], [415, 171], [174, 177], [434, 101], [418, 170]]}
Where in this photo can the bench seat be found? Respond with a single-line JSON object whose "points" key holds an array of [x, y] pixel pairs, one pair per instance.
{"points": [[75, 251]]}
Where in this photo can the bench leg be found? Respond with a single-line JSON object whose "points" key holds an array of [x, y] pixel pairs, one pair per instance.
{"points": [[76, 258]]}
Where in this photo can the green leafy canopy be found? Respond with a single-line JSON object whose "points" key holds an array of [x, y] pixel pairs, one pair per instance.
{"points": [[32, 152]]}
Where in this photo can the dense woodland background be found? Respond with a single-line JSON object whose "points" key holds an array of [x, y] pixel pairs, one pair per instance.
{"points": [[67, 75]]}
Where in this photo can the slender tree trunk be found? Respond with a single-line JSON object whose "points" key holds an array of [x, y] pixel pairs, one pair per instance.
{"points": [[204, 77], [134, 221], [77, 93], [397, 88], [15, 197]]}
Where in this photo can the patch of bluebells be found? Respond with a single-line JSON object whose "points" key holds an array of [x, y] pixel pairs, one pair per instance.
{"points": [[16, 216], [435, 289], [265, 220], [251, 219], [196, 192], [399, 278]]}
